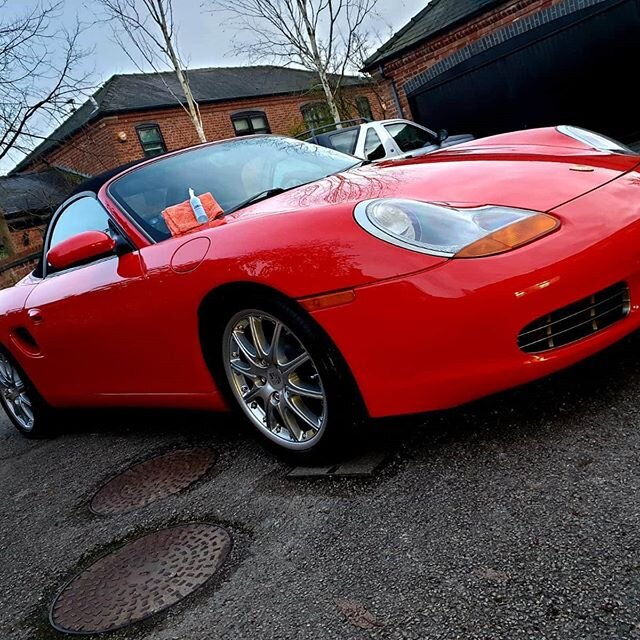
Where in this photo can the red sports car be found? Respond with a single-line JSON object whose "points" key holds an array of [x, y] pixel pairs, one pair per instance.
{"points": [[309, 291]]}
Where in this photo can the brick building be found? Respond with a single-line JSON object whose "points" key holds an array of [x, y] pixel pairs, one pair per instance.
{"points": [[137, 115], [487, 66], [26, 202]]}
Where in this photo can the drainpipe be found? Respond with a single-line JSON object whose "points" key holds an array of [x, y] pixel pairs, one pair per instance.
{"points": [[394, 91]]}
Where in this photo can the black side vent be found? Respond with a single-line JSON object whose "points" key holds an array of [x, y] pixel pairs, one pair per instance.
{"points": [[577, 320]]}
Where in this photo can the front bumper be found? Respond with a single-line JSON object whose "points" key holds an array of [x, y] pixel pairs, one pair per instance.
{"points": [[448, 335]]}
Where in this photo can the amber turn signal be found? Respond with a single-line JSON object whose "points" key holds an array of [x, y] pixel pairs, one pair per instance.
{"points": [[511, 237], [328, 300]]}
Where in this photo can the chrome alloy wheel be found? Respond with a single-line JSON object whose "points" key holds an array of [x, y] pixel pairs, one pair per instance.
{"points": [[275, 380], [16, 398]]}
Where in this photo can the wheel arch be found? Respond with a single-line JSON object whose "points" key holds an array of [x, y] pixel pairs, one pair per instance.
{"points": [[227, 296], [213, 313], [9, 348]]}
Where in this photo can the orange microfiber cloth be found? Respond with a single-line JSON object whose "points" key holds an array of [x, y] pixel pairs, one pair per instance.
{"points": [[180, 218]]}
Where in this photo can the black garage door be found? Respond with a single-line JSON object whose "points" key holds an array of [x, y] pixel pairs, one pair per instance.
{"points": [[582, 69]]}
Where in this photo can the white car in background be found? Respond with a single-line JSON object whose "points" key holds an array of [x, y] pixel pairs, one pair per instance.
{"points": [[379, 139]]}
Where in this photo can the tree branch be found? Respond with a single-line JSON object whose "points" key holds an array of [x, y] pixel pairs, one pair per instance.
{"points": [[149, 26], [39, 62], [319, 35]]}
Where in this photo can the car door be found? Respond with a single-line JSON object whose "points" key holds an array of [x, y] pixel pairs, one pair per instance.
{"points": [[87, 321]]}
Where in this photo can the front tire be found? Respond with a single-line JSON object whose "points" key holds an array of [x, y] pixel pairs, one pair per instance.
{"points": [[288, 380], [20, 400]]}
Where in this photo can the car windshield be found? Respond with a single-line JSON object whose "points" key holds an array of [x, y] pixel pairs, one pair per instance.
{"points": [[227, 173]]}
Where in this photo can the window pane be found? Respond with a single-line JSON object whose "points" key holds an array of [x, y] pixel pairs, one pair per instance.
{"points": [[153, 150], [151, 140], [364, 107], [316, 114], [150, 136], [241, 125], [259, 123], [373, 147], [86, 214], [345, 141], [250, 122], [408, 137]]}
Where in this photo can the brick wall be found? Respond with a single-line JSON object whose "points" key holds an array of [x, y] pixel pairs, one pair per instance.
{"points": [[99, 146], [27, 239], [424, 56], [17, 267]]}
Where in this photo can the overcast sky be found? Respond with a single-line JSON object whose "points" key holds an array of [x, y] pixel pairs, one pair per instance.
{"points": [[204, 39]]}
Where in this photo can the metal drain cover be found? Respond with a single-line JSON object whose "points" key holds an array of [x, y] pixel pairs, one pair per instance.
{"points": [[140, 579], [152, 480]]}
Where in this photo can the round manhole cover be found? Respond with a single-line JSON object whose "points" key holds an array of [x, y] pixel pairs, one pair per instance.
{"points": [[140, 579], [152, 480]]}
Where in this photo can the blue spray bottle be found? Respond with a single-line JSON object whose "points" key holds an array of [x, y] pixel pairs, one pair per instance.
{"points": [[198, 209]]}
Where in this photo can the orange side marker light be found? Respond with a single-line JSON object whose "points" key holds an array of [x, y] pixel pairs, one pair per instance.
{"points": [[328, 300]]}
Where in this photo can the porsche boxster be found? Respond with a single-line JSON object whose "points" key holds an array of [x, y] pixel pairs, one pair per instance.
{"points": [[309, 291]]}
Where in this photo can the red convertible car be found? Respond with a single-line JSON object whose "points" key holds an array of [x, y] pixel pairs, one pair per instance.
{"points": [[308, 291]]}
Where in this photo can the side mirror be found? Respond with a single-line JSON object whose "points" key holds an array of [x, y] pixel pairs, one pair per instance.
{"points": [[443, 134], [80, 249]]}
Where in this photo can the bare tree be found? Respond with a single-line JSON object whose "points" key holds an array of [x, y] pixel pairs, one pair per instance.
{"points": [[150, 27], [319, 35], [364, 45], [39, 73]]}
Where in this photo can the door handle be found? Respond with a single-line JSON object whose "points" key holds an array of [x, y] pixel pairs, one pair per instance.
{"points": [[35, 315]]}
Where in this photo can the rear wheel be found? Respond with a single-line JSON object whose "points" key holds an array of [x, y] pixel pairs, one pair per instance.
{"points": [[288, 380], [22, 403]]}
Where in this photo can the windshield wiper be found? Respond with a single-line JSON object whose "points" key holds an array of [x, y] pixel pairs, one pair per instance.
{"points": [[257, 197]]}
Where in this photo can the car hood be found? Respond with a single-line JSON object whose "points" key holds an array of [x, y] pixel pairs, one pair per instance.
{"points": [[533, 177], [312, 231]]}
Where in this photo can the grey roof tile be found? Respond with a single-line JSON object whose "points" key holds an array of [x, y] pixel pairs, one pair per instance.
{"points": [[436, 17], [34, 191], [142, 91]]}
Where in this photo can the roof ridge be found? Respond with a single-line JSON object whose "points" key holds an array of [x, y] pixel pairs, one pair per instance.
{"points": [[209, 68], [400, 32], [107, 88]]}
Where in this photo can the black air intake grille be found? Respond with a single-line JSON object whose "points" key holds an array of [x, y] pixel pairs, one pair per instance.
{"points": [[576, 321]]}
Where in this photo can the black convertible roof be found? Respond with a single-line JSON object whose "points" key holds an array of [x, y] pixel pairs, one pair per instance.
{"points": [[95, 183]]}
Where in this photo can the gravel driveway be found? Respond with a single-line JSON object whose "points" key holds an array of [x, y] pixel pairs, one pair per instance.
{"points": [[515, 517]]}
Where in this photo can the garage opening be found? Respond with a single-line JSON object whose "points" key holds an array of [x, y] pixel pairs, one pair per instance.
{"points": [[580, 69]]}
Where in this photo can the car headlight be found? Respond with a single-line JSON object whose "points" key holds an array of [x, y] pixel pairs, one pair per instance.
{"points": [[595, 140], [452, 232]]}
